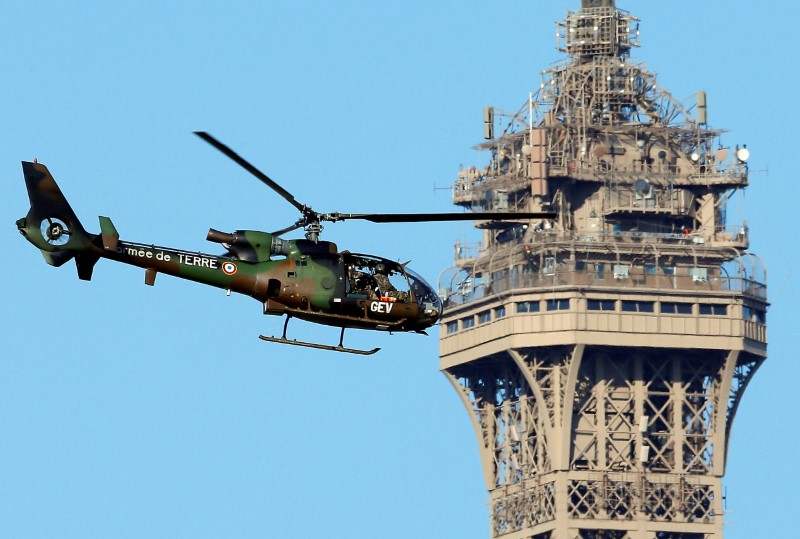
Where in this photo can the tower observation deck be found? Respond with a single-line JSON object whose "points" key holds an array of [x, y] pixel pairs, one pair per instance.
{"points": [[601, 355]]}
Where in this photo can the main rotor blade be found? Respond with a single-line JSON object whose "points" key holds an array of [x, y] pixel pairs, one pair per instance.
{"points": [[252, 170], [452, 216]]}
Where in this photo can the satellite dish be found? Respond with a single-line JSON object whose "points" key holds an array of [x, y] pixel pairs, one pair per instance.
{"points": [[695, 157], [721, 155], [599, 151], [662, 155], [743, 154], [526, 150], [642, 187]]}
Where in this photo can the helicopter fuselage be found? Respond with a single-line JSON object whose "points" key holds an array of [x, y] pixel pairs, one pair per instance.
{"points": [[311, 281]]}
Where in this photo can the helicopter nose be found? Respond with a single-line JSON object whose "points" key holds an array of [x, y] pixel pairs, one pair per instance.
{"points": [[430, 314]]}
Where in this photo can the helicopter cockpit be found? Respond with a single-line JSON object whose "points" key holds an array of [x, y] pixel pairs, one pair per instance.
{"points": [[386, 280], [374, 277]]}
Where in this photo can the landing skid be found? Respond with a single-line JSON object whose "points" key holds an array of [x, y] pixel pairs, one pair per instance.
{"points": [[338, 348]]}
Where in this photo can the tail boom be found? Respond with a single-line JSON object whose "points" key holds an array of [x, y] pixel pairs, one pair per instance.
{"points": [[52, 226]]}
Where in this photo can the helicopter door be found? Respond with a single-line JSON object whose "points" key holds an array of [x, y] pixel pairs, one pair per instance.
{"points": [[377, 279], [358, 282], [397, 289]]}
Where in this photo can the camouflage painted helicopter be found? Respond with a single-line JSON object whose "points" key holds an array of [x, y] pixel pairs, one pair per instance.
{"points": [[306, 278]]}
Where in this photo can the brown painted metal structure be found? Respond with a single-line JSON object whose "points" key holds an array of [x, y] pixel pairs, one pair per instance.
{"points": [[601, 355]]}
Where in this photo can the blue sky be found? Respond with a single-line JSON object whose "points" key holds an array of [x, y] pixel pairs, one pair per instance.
{"points": [[130, 411]]}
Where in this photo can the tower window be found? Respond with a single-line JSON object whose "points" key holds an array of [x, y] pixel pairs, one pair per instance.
{"points": [[557, 304], [601, 305], [599, 270], [527, 306], [755, 315], [713, 309], [637, 306], [668, 307]]}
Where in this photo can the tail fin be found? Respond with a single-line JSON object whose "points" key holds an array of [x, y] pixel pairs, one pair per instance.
{"points": [[51, 225]]}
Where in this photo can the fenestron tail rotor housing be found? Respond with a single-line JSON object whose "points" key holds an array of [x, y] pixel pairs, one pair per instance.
{"points": [[55, 231]]}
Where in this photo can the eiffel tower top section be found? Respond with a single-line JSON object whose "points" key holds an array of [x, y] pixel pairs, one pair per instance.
{"points": [[599, 116], [638, 180], [598, 29]]}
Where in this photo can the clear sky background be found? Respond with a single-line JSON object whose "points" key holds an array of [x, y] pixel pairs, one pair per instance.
{"points": [[128, 411]]}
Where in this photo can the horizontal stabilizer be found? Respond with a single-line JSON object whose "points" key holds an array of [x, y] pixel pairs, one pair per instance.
{"points": [[109, 234]]}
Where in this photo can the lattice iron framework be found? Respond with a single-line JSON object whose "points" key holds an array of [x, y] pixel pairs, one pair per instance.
{"points": [[602, 355]]}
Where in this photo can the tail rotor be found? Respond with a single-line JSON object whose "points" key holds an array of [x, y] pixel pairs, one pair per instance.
{"points": [[55, 231]]}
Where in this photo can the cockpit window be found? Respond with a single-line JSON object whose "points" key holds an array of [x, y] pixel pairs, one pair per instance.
{"points": [[423, 291], [376, 278]]}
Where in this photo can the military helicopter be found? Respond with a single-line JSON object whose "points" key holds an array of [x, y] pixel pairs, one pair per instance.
{"points": [[306, 278]]}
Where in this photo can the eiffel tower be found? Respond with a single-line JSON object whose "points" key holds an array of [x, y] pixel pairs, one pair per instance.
{"points": [[601, 355]]}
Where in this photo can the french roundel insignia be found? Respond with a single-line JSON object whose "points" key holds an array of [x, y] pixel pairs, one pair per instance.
{"points": [[228, 268]]}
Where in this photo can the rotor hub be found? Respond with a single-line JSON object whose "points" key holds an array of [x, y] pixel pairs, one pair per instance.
{"points": [[313, 231], [54, 231]]}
